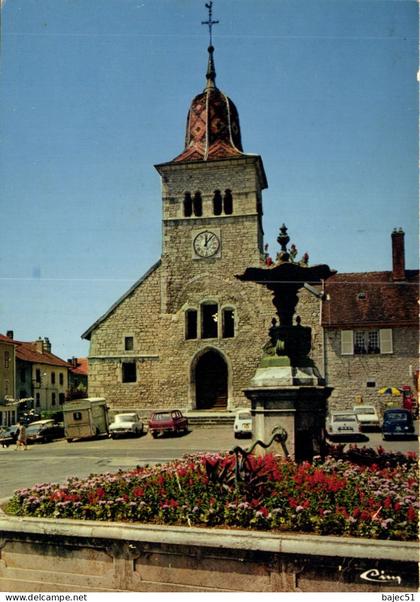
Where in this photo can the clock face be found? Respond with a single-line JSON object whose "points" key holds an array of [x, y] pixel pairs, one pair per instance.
{"points": [[206, 244]]}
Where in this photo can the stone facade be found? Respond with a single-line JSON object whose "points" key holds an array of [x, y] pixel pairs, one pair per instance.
{"points": [[154, 312], [355, 376]]}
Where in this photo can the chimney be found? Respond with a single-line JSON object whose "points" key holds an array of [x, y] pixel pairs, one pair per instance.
{"points": [[39, 345], [46, 345], [9, 334], [398, 254]]}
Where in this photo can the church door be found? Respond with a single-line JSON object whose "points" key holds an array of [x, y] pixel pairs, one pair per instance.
{"points": [[211, 379]]}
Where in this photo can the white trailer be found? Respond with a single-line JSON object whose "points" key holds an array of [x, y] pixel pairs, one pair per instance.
{"points": [[85, 418]]}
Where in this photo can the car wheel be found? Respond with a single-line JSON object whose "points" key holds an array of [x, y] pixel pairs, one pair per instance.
{"points": [[154, 434], [69, 440]]}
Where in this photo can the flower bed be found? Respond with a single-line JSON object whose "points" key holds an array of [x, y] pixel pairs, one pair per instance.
{"points": [[331, 497]]}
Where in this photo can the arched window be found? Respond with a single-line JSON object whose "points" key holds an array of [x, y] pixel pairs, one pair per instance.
{"points": [[228, 322], [197, 205], [217, 203], [228, 202], [187, 205], [191, 324]]}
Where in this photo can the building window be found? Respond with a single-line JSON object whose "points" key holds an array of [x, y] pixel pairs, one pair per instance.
{"points": [[37, 400], [197, 205], [129, 372], [61, 378], [37, 376], [228, 203], [228, 319], [22, 375], [217, 203], [209, 317], [187, 205], [6, 387], [129, 343], [361, 342], [61, 398], [191, 324], [6, 359], [53, 398], [53, 378], [366, 341]]}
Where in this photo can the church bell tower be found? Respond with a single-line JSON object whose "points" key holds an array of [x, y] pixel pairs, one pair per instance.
{"points": [[211, 196]]}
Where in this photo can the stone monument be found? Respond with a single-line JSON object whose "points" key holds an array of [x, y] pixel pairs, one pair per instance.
{"points": [[287, 390]]}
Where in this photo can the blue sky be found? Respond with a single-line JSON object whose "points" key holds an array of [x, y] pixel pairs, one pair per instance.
{"points": [[93, 93]]}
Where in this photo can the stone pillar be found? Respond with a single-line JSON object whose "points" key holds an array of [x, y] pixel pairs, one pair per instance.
{"points": [[299, 410]]}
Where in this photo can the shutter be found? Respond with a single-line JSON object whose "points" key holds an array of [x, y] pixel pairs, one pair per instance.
{"points": [[385, 340], [347, 342]]}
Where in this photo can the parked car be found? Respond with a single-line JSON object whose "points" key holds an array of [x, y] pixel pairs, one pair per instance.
{"points": [[398, 422], [243, 423], [367, 416], [342, 424], [44, 431], [167, 421], [128, 423], [8, 435]]}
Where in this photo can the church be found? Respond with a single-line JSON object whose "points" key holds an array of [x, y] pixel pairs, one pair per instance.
{"points": [[189, 335]]}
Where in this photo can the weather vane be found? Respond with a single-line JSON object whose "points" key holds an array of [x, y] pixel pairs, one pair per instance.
{"points": [[210, 22]]}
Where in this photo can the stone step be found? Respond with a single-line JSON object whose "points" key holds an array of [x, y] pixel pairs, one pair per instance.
{"points": [[210, 418]]}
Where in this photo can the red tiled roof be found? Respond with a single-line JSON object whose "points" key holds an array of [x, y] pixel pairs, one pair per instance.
{"points": [[5, 339], [82, 366], [371, 299], [27, 352]]}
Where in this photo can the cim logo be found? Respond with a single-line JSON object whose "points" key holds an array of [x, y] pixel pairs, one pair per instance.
{"points": [[377, 576]]}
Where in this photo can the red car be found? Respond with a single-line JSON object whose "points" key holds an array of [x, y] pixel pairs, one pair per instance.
{"points": [[167, 421]]}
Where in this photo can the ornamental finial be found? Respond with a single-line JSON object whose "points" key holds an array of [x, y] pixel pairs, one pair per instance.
{"points": [[210, 21], [211, 71]]}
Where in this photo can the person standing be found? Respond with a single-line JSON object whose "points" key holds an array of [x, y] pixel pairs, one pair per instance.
{"points": [[21, 438]]}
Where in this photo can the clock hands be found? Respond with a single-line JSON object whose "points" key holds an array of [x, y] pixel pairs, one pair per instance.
{"points": [[208, 239]]}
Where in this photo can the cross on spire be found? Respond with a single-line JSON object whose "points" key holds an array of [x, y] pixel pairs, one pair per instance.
{"points": [[210, 22]]}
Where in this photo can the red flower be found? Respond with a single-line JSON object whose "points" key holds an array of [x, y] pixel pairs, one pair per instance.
{"points": [[387, 502], [411, 514], [364, 515], [58, 495], [397, 506], [138, 491]]}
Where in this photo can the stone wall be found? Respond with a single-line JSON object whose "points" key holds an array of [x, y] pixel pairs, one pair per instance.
{"points": [[138, 315], [349, 374], [43, 555]]}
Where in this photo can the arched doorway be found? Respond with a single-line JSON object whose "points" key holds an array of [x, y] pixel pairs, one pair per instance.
{"points": [[211, 381]]}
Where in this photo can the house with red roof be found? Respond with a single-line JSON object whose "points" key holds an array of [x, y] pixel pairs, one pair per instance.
{"points": [[78, 374], [39, 374], [370, 331]]}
